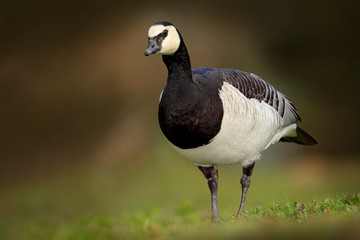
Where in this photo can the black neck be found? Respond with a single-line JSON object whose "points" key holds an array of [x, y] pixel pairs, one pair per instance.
{"points": [[178, 64]]}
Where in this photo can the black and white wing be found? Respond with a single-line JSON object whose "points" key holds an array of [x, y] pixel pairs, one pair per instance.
{"points": [[252, 86]]}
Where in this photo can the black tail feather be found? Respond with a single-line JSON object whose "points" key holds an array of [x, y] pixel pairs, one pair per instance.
{"points": [[302, 137]]}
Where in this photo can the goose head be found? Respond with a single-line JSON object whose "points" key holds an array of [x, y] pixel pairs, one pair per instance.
{"points": [[163, 38]]}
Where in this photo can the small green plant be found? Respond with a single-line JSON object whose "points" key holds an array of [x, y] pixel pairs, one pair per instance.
{"points": [[301, 211]]}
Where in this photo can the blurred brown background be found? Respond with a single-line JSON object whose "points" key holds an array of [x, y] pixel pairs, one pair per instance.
{"points": [[77, 90]]}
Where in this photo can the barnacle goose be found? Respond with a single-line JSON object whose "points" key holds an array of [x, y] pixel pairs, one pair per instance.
{"points": [[219, 116]]}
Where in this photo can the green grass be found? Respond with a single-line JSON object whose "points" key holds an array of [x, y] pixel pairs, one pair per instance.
{"points": [[159, 195], [301, 211], [187, 222], [331, 217]]}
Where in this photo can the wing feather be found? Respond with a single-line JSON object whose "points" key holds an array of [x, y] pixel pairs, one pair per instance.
{"points": [[252, 86]]}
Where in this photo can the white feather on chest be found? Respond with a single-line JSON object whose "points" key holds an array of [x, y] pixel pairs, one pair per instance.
{"points": [[248, 127]]}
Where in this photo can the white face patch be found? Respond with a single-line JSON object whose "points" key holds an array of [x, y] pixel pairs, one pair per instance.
{"points": [[171, 43]]}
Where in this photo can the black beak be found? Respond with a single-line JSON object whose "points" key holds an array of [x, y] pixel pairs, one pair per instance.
{"points": [[152, 47]]}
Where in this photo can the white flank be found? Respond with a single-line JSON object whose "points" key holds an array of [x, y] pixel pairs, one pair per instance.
{"points": [[288, 131], [248, 127], [171, 43]]}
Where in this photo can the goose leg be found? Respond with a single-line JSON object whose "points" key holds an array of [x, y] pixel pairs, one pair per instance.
{"points": [[211, 174], [245, 184]]}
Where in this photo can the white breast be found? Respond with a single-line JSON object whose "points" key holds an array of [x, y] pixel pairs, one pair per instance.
{"points": [[248, 127]]}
